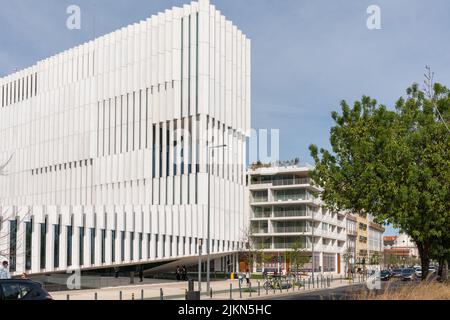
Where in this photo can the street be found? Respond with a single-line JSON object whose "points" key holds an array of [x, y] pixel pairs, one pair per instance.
{"points": [[342, 293]]}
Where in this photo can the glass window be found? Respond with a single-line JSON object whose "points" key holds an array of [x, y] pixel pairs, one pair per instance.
{"points": [[81, 240], [131, 245], [92, 245], [103, 245], [12, 245], [69, 245], [56, 229], [28, 246], [43, 235], [122, 246], [113, 245]]}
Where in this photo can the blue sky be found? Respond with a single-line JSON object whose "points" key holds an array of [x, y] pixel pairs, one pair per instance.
{"points": [[306, 55]]}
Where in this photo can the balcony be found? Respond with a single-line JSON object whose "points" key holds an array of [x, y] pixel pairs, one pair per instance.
{"points": [[260, 199], [292, 213], [289, 182], [289, 245], [291, 229], [261, 215], [260, 230]]}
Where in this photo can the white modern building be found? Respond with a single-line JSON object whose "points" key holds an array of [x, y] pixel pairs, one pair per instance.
{"points": [[108, 145], [285, 212]]}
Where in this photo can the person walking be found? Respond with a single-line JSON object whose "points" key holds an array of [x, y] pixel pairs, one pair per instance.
{"points": [[141, 274], [4, 271], [184, 273], [178, 273], [247, 277]]}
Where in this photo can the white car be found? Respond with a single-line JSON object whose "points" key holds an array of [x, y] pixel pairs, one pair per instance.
{"points": [[418, 271]]}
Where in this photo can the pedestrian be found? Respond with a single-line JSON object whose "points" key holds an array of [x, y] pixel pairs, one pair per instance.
{"points": [[184, 273], [4, 271], [24, 276], [141, 274], [178, 273], [247, 277]]}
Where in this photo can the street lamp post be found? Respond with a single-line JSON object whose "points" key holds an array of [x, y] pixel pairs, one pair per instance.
{"points": [[208, 240]]}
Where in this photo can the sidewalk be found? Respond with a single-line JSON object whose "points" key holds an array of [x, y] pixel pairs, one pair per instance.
{"points": [[176, 291]]}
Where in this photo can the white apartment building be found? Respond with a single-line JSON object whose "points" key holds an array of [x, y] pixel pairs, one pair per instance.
{"points": [[108, 145], [284, 212]]}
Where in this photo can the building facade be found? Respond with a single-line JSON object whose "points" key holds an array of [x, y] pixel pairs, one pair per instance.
{"points": [[286, 214], [108, 145], [400, 250]]}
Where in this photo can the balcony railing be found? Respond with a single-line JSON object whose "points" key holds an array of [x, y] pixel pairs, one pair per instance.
{"points": [[283, 182], [288, 182], [260, 230], [259, 215], [288, 245], [292, 229], [292, 213], [260, 199], [293, 197]]}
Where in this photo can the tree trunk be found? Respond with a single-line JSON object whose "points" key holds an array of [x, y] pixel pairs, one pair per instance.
{"points": [[444, 275], [424, 253], [441, 266]]}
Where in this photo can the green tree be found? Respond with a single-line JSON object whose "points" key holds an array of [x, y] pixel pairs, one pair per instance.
{"points": [[298, 257], [393, 164]]}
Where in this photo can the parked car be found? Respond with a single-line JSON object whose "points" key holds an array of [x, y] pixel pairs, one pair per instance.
{"points": [[385, 275], [22, 289], [418, 272], [409, 274], [397, 273]]}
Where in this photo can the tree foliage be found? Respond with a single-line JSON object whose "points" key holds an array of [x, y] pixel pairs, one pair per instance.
{"points": [[393, 164]]}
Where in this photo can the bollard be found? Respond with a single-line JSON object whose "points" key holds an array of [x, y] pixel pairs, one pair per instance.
{"points": [[161, 294], [259, 288], [120, 295], [250, 288], [304, 284], [240, 290], [67, 297], [309, 283], [210, 292], [142, 294], [95, 296], [132, 296], [231, 291]]}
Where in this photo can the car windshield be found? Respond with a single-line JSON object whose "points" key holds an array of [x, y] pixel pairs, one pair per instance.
{"points": [[397, 270], [408, 271], [384, 272]]}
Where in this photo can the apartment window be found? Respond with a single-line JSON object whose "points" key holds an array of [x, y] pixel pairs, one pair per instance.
{"points": [[164, 245], [170, 248]]}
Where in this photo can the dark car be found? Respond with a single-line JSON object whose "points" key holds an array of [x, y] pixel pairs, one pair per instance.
{"points": [[397, 273], [385, 275], [18, 289], [409, 274]]}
